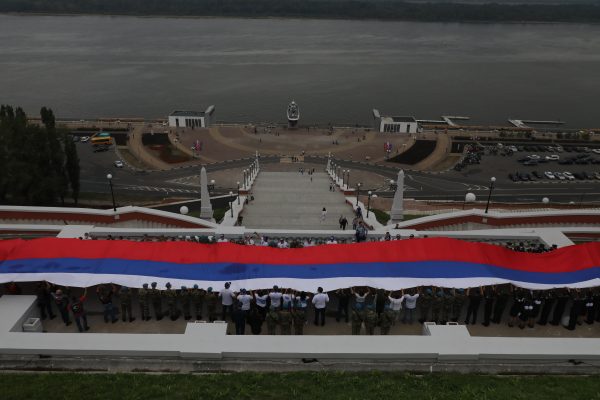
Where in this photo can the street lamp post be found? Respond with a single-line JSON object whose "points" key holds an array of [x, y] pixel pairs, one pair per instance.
{"points": [[238, 192], [348, 178], [112, 193], [369, 202], [392, 184], [357, 192], [343, 178], [245, 173], [487, 206], [545, 200], [212, 185], [231, 203]]}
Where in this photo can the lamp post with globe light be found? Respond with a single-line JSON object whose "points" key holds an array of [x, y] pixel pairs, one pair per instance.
{"points": [[487, 206], [231, 203], [112, 193], [357, 192]]}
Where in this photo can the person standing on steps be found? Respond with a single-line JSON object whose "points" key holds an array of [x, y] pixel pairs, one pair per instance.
{"points": [[323, 214]]}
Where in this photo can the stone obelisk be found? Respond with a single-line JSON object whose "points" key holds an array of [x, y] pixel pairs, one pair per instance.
{"points": [[397, 213], [206, 211]]}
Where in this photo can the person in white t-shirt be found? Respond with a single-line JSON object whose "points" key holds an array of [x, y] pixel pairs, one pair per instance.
{"points": [[331, 240], [245, 299], [249, 241], [287, 299], [323, 214], [260, 298], [320, 301], [410, 304], [360, 298], [264, 241], [222, 239], [283, 244], [308, 242], [227, 297], [275, 295], [396, 304]]}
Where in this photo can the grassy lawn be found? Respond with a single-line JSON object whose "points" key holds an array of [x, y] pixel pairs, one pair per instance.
{"points": [[298, 385]]}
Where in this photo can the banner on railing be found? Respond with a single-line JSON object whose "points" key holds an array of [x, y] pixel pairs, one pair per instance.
{"points": [[389, 265]]}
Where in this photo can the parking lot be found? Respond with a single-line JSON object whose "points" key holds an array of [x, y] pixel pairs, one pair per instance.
{"points": [[536, 164]]}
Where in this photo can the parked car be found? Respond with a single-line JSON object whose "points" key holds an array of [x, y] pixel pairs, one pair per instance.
{"points": [[558, 149], [98, 149], [119, 164], [579, 176], [559, 176], [587, 175], [513, 177], [553, 157], [549, 175], [597, 151], [537, 174], [534, 157], [85, 139], [531, 162], [569, 175], [597, 175]]}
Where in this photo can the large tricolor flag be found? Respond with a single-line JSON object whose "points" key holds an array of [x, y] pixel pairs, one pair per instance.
{"points": [[389, 265]]}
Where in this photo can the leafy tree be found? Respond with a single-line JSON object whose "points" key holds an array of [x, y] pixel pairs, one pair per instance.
{"points": [[32, 158], [72, 167]]}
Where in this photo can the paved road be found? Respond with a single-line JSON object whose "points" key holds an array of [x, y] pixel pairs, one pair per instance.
{"points": [[451, 185]]}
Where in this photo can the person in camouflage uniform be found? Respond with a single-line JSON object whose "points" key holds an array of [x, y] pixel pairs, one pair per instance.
{"points": [[186, 302], [272, 320], [386, 320], [299, 313], [447, 302], [285, 320], [197, 296], [125, 298], [425, 301], [357, 317], [144, 299], [437, 304], [458, 302], [502, 297], [370, 319], [156, 297], [211, 304], [171, 298]]}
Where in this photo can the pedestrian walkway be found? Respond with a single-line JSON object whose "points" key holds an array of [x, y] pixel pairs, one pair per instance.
{"points": [[291, 200]]}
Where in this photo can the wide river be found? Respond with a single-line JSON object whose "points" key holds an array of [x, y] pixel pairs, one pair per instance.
{"points": [[94, 66]]}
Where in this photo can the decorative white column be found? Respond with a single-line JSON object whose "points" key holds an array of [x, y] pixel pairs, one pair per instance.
{"points": [[206, 211], [397, 213]]}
